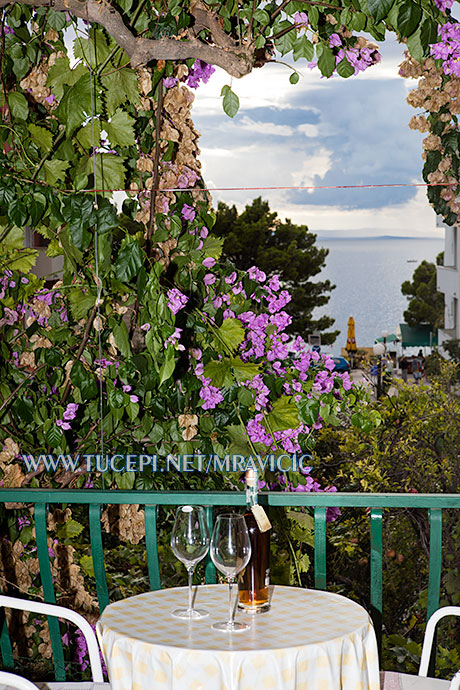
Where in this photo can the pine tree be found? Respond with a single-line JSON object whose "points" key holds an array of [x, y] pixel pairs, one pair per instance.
{"points": [[257, 237], [426, 305]]}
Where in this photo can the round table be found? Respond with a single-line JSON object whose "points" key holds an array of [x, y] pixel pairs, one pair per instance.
{"points": [[308, 639]]}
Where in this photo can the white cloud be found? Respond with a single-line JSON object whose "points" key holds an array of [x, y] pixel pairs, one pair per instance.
{"points": [[266, 128], [310, 131], [320, 131]]}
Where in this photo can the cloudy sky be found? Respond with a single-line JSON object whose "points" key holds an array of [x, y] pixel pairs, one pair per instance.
{"points": [[320, 132]]}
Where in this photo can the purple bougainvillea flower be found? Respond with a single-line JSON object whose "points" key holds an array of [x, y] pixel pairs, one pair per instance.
{"points": [[65, 426], [188, 212], [209, 262], [176, 300], [209, 279], [169, 82]]}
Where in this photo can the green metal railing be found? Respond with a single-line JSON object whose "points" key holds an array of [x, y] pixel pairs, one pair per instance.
{"points": [[41, 499]]}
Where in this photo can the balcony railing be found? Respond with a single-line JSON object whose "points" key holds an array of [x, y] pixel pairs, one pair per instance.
{"points": [[95, 499]]}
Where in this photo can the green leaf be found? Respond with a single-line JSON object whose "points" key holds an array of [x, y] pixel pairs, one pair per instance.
{"points": [[116, 398], [262, 17], [83, 380], [120, 129], [244, 371], [284, 415], [229, 335], [294, 78], [168, 365], [18, 105], [78, 211], [129, 261], [56, 20], [408, 18], [379, 8], [326, 61], [309, 410], [239, 443], [97, 46], [110, 171], [85, 134], [219, 372], [106, 217], [121, 86], [132, 410], [87, 565], [231, 102], [303, 48], [71, 529], [61, 75], [24, 260], [75, 105], [54, 436], [120, 333], [358, 21], [20, 67], [345, 69], [55, 170], [41, 136], [17, 213], [125, 480], [415, 46], [213, 246], [286, 42]]}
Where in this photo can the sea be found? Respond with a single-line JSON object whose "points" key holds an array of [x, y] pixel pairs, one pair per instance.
{"points": [[368, 273]]}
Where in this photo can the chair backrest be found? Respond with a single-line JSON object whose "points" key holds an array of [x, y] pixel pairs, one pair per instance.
{"points": [[429, 636], [455, 682], [66, 614], [11, 680]]}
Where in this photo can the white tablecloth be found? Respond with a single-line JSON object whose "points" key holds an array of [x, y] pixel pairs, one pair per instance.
{"points": [[309, 639]]}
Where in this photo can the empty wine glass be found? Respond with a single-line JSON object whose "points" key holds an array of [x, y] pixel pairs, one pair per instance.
{"points": [[230, 553], [190, 543]]}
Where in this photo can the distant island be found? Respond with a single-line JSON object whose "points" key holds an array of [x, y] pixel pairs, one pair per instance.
{"points": [[345, 236]]}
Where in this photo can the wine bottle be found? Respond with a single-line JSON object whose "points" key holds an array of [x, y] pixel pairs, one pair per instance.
{"points": [[254, 581]]}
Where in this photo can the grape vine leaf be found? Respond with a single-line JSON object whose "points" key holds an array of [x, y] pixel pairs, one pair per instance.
{"points": [[120, 87], [120, 129], [55, 170], [41, 136]]}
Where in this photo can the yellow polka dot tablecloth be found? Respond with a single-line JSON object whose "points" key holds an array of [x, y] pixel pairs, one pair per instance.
{"points": [[308, 640]]}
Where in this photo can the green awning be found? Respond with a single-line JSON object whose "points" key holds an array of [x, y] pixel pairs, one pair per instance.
{"points": [[391, 338], [419, 336]]}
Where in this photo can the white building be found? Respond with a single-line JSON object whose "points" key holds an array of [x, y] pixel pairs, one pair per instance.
{"points": [[448, 282], [46, 267]]}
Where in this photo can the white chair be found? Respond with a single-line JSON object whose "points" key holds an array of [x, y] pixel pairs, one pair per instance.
{"points": [[404, 681], [11, 680], [88, 633]]}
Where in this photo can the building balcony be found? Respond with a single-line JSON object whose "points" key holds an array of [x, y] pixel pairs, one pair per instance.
{"points": [[448, 281]]}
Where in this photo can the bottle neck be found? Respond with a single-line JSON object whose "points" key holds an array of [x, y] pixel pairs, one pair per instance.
{"points": [[251, 488]]}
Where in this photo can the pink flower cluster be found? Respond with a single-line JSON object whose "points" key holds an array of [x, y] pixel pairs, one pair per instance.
{"points": [[448, 48], [176, 300], [69, 414], [443, 5], [267, 344], [199, 72], [359, 57]]}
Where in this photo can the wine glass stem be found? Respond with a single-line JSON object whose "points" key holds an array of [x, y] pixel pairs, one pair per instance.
{"points": [[190, 588], [230, 607]]}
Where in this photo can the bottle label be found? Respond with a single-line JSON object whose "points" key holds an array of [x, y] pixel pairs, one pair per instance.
{"points": [[263, 523]]}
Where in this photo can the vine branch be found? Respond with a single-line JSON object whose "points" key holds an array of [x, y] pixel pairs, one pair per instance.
{"points": [[236, 59]]}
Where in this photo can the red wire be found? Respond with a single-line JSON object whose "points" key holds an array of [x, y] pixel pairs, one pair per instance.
{"points": [[253, 189]]}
